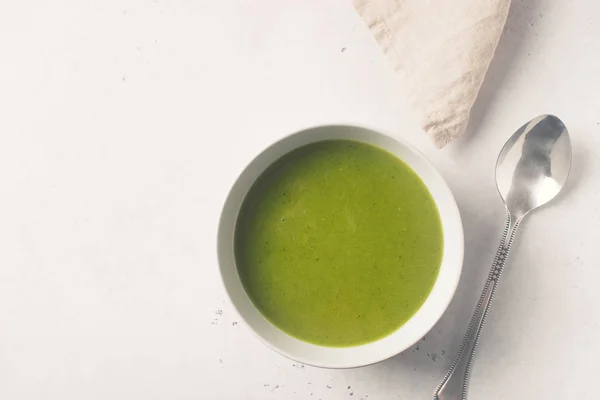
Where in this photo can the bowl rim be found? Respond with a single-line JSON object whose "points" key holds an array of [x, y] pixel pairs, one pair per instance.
{"points": [[451, 286]]}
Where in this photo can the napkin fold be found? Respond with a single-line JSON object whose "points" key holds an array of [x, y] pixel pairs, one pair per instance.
{"points": [[441, 50]]}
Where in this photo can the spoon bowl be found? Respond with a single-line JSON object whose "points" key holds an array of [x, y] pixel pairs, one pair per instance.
{"points": [[533, 165]]}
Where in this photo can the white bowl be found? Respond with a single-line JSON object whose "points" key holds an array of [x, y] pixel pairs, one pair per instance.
{"points": [[409, 333]]}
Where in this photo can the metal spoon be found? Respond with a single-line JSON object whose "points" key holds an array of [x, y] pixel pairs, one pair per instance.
{"points": [[531, 169]]}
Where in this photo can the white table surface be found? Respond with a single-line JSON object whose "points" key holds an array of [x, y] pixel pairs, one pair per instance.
{"points": [[122, 125]]}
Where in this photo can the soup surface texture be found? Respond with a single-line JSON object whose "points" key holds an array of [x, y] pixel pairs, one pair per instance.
{"points": [[338, 243]]}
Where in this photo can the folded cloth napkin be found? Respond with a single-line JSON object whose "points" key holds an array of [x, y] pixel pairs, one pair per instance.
{"points": [[441, 50]]}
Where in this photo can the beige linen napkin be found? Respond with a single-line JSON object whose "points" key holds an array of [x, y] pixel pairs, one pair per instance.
{"points": [[441, 50]]}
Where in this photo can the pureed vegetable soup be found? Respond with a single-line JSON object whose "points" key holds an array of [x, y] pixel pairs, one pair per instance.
{"points": [[338, 243]]}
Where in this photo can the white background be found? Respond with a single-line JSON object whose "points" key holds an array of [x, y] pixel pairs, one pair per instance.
{"points": [[122, 126]]}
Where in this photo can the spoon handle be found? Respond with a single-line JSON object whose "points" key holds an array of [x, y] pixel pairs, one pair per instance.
{"points": [[455, 383]]}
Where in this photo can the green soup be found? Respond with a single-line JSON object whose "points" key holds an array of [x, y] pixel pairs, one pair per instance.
{"points": [[338, 243]]}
